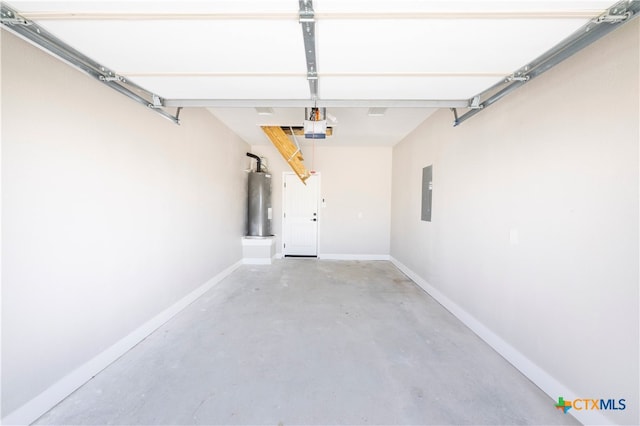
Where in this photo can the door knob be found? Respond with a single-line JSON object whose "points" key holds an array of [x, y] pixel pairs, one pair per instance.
{"points": [[314, 219]]}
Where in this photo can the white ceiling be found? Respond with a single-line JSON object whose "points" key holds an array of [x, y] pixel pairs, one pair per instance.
{"points": [[353, 127], [366, 50]]}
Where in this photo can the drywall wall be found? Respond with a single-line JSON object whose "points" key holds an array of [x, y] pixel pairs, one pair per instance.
{"points": [[110, 214], [356, 186], [534, 232]]}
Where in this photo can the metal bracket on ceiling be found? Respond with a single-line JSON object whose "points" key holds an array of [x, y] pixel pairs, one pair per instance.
{"points": [[15, 21], [9, 17], [475, 103], [46, 41], [617, 15], [307, 14], [518, 77], [307, 21], [612, 19], [112, 77], [455, 116], [157, 101]]}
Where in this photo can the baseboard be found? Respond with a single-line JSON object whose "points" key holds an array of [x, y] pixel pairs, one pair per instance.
{"points": [[42, 403], [354, 257], [256, 261], [533, 372]]}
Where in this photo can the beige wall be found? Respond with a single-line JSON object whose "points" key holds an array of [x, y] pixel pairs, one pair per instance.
{"points": [[110, 214], [535, 219], [356, 186]]}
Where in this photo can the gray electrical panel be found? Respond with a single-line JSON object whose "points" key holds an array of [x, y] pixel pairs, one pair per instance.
{"points": [[427, 190]]}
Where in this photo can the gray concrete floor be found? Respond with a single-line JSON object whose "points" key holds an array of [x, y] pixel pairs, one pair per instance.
{"points": [[311, 342]]}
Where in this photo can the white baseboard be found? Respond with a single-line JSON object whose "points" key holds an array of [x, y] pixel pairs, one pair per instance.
{"points": [[533, 372], [354, 257], [256, 261], [42, 403]]}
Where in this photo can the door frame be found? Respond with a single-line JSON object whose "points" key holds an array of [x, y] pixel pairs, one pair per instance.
{"points": [[319, 209]]}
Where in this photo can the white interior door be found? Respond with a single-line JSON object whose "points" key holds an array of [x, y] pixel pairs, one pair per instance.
{"points": [[300, 216]]}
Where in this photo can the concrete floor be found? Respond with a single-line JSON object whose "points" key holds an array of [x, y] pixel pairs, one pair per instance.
{"points": [[311, 342]]}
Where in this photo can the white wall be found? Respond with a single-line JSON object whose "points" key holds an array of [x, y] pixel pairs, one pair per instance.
{"points": [[356, 186], [535, 219], [110, 214]]}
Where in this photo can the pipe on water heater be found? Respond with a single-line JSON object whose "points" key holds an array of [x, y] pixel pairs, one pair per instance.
{"points": [[259, 166]]}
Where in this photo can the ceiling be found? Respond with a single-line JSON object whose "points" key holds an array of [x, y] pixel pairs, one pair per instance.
{"points": [[232, 56], [352, 126]]}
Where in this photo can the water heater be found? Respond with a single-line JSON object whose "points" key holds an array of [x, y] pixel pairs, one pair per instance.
{"points": [[259, 202]]}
